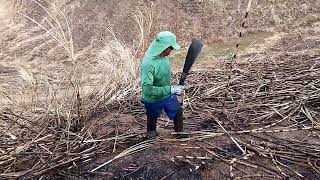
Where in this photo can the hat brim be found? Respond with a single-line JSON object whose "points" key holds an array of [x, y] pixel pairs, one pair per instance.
{"points": [[176, 46]]}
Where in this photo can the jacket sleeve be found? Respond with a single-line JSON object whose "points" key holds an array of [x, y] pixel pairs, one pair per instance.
{"points": [[147, 79]]}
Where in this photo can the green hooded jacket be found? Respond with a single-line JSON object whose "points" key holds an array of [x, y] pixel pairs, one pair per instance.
{"points": [[155, 70]]}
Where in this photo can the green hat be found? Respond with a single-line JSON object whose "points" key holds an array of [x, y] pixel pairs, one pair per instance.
{"points": [[168, 39], [162, 41]]}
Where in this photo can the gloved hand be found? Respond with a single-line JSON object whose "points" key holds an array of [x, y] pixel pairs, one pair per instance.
{"points": [[177, 90]]}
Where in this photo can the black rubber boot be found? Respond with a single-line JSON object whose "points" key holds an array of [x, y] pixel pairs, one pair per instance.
{"points": [[178, 125], [178, 121], [151, 127]]}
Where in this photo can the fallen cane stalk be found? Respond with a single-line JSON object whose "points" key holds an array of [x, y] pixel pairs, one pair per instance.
{"points": [[133, 149], [225, 131], [281, 172]]}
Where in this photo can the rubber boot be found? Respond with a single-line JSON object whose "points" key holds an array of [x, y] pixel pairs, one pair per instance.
{"points": [[178, 124], [151, 127]]}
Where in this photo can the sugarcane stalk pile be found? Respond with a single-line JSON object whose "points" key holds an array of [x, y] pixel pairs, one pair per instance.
{"points": [[271, 111], [269, 120], [266, 126]]}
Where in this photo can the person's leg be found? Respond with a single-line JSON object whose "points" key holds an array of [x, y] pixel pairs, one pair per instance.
{"points": [[153, 111], [174, 111], [151, 123], [178, 124], [178, 121], [151, 127]]}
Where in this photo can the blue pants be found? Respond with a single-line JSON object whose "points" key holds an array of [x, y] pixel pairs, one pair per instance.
{"points": [[170, 106]]}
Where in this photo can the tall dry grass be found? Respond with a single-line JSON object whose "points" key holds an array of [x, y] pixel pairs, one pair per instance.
{"points": [[63, 101], [55, 105], [108, 72]]}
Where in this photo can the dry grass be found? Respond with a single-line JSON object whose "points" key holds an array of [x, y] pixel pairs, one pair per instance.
{"points": [[57, 103], [83, 83]]}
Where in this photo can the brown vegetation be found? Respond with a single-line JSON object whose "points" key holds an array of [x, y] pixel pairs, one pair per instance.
{"points": [[70, 100]]}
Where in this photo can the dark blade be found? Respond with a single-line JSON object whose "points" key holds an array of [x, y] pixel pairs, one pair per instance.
{"points": [[193, 52]]}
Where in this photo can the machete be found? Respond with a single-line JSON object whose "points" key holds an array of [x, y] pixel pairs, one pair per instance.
{"points": [[193, 52]]}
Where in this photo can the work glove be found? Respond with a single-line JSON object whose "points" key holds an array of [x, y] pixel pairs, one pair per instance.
{"points": [[177, 90]]}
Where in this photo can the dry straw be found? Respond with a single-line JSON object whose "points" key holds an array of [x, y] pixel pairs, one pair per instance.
{"points": [[53, 131]]}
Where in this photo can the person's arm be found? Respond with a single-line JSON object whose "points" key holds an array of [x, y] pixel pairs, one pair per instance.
{"points": [[147, 79]]}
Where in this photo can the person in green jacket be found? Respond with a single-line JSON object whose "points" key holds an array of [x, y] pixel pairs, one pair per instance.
{"points": [[157, 93]]}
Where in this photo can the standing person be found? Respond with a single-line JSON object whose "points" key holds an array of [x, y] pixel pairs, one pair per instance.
{"points": [[157, 92]]}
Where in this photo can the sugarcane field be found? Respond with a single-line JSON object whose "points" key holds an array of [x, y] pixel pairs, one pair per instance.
{"points": [[150, 89]]}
